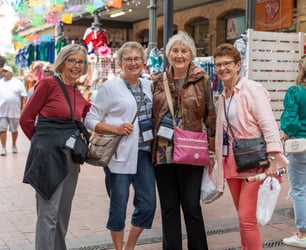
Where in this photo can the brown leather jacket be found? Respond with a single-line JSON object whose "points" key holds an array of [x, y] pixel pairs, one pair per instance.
{"points": [[197, 103]]}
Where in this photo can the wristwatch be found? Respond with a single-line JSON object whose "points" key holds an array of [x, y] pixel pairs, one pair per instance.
{"points": [[271, 157]]}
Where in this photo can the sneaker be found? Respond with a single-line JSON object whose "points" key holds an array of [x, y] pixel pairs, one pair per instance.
{"points": [[14, 149], [295, 241], [3, 152]]}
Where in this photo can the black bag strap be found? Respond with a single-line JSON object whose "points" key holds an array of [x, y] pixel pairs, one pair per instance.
{"points": [[226, 117], [62, 85]]}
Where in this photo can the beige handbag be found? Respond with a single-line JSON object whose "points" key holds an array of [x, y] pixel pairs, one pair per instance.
{"points": [[103, 147], [295, 145]]}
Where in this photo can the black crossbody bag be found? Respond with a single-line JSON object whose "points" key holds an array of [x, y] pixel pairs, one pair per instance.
{"points": [[78, 142], [248, 153]]}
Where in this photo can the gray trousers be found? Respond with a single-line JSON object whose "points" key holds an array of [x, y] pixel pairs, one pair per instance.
{"points": [[53, 215]]}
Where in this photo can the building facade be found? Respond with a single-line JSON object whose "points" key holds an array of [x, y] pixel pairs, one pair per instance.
{"points": [[209, 24]]}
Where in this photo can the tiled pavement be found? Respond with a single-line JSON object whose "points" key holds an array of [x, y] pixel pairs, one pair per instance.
{"points": [[87, 224]]}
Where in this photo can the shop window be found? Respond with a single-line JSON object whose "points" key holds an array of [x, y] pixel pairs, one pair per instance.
{"points": [[199, 28], [235, 25]]}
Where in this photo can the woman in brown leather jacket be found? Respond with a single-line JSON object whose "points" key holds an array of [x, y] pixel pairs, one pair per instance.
{"points": [[179, 185]]}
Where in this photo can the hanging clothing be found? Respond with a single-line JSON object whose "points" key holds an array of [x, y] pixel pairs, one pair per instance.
{"points": [[60, 43], [155, 61], [94, 38], [241, 46]]}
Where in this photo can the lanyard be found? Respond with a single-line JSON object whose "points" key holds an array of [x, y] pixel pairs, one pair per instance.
{"points": [[226, 110], [133, 93]]}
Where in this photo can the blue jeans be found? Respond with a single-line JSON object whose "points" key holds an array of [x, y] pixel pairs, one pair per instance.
{"points": [[297, 178], [118, 186]]}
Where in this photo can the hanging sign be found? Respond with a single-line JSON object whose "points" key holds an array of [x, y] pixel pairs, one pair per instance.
{"points": [[273, 14]]}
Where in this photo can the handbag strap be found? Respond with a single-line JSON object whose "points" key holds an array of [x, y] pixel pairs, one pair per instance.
{"points": [[62, 85], [168, 96], [139, 104]]}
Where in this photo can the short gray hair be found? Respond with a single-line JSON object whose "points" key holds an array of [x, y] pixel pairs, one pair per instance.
{"points": [[182, 38], [67, 51], [127, 47]]}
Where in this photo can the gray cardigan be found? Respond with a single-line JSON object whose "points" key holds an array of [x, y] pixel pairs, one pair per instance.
{"points": [[114, 105]]}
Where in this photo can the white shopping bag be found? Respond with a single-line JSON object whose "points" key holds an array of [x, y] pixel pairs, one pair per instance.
{"points": [[209, 191], [267, 197]]}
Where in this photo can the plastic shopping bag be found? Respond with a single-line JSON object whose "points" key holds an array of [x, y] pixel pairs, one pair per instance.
{"points": [[267, 197], [209, 191]]}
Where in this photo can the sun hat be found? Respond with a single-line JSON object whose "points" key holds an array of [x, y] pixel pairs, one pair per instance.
{"points": [[104, 51], [7, 68]]}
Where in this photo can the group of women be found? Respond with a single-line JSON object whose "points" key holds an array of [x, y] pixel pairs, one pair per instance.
{"points": [[144, 155]]}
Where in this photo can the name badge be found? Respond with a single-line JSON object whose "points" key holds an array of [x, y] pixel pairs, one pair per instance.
{"points": [[225, 145], [146, 128], [166, 129]]}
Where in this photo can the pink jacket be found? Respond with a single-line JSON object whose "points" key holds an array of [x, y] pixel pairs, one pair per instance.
{"points": [[255, 117]]}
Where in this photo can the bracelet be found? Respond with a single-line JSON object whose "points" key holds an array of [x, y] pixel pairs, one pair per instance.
{"points": [[271, 157]]}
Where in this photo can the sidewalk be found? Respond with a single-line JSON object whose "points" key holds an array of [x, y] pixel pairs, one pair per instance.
{"points": [[90, 207]]}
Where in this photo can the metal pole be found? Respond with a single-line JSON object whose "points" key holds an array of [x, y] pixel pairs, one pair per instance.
{"points": [[168, 26], [96, 18], [152, 24], [250, 14]]}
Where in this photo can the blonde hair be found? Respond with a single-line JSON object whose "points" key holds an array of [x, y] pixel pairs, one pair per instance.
{"points": [[67, 51], [301, 77]]}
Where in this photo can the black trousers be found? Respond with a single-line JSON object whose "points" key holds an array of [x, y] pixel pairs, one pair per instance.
{"points": [[179, 186]]}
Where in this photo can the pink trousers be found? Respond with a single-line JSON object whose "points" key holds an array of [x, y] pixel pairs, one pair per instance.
{"points": [[245, 199]]}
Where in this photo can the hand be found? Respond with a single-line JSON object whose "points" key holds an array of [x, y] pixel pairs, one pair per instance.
{"points": [[285, 137], [125, 129], [272, 170], [212, 160]]}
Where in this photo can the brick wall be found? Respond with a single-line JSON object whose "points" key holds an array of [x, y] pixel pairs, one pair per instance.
{"points": [[214, 12]]}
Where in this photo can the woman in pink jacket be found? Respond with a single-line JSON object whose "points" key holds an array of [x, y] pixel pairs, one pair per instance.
{"points": [[247, 105]]}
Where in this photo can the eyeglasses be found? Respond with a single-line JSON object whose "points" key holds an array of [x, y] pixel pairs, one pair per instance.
{"points": [[226, 65], [73, 62], [136, 59]]}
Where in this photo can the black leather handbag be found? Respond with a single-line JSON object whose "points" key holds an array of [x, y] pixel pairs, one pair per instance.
{"points": [[80, 149], [248, 153]]}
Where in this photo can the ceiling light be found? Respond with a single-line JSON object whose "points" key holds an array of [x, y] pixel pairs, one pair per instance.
{"points": [[121, 13]]}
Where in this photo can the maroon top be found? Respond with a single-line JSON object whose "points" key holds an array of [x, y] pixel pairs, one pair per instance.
{"points": [[48, 100]]}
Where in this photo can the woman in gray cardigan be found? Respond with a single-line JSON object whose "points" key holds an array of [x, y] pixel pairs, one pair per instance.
{"points": [[112, 112]]}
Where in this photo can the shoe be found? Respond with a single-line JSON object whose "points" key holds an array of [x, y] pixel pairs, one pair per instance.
{"points": [[295, 241], [14, 149], [3, 152]]}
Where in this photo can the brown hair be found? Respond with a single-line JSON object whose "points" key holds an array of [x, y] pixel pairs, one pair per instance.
{"points": [[227, 49]]}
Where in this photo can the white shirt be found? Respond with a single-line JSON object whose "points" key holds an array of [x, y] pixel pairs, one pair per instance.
{"points": [[11, 92]]}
